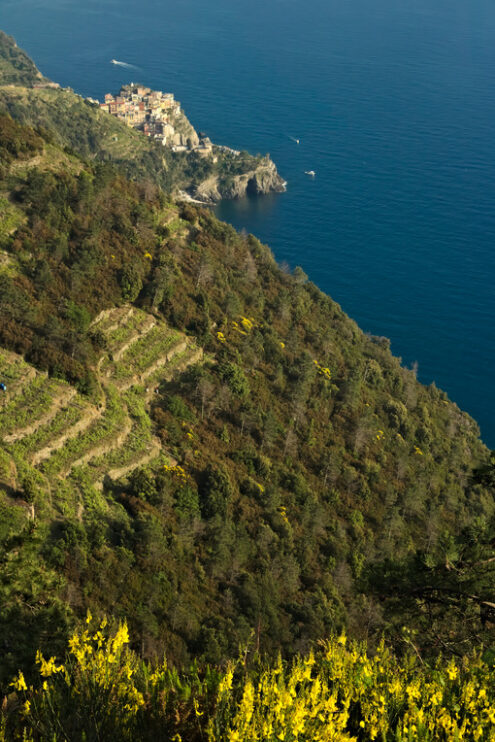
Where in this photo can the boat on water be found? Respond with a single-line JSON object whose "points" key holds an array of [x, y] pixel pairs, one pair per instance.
{"points": [[310, 172], [113, 61]]}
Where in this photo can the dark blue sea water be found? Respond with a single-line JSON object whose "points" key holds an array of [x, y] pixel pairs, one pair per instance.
{"points": [[393, 102]]}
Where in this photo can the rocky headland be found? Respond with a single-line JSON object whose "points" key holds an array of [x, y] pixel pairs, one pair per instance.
{"points": [[262, 179], [144, 132]]}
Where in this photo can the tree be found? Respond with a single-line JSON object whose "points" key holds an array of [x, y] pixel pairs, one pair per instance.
{"points": [[215, 492], [235, 378], [131, 281]]}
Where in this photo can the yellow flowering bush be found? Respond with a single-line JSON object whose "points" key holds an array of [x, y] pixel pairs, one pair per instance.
{"points": [[343, 694], [338, 693], [103, 691], [93, 689], [323, 370], [176, 470]]}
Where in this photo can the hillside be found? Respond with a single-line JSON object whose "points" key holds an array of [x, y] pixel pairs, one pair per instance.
{"points": [[79, 125], [200, 442], [16, 68]]}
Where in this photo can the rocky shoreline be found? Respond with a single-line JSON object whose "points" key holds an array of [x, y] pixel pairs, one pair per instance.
{"points": [[260, 180]]}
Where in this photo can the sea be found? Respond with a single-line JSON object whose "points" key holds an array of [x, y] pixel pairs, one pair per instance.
{"points": [[393, 104]]}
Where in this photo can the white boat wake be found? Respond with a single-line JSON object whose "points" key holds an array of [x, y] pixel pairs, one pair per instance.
{"points": [[124, 64]]}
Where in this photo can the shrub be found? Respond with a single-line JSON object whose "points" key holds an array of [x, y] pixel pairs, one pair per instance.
{"points": [[103, 691]]}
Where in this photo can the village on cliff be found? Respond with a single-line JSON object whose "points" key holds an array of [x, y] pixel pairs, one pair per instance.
{"points": [[158, 115]]}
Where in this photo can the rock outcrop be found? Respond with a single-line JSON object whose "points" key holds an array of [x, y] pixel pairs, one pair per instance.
{"points": [[185, 133], [207, 191], [261, 180]]}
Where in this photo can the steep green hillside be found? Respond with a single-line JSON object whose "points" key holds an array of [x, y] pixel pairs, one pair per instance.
{"points": [[16, 68], [207, 445]]}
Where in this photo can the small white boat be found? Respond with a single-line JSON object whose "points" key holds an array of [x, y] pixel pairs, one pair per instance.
{"points": [[310, 172], [123, 64]]}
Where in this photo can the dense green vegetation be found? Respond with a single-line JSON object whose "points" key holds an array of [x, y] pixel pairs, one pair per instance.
{"points": [[293, 481], [206, 446]]}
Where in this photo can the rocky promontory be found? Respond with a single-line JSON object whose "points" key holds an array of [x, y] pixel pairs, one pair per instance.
{"points": [[261, 179]]}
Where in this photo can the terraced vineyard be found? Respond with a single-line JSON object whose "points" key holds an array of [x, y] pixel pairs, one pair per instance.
{"points": [[51, 434]]}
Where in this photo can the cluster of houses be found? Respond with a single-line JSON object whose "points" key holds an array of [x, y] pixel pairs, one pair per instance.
{"points": [[156, 114]]}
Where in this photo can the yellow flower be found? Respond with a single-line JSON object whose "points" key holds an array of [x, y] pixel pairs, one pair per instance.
{"points": [[19, 683], [226, 682], [121, 637], [247, 323], [452, 671], [246, 706], [48, 667]]}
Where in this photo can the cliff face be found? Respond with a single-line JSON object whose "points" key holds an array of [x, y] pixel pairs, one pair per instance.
{"points": [[264, 179], [185, 133], [260, 180]]}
